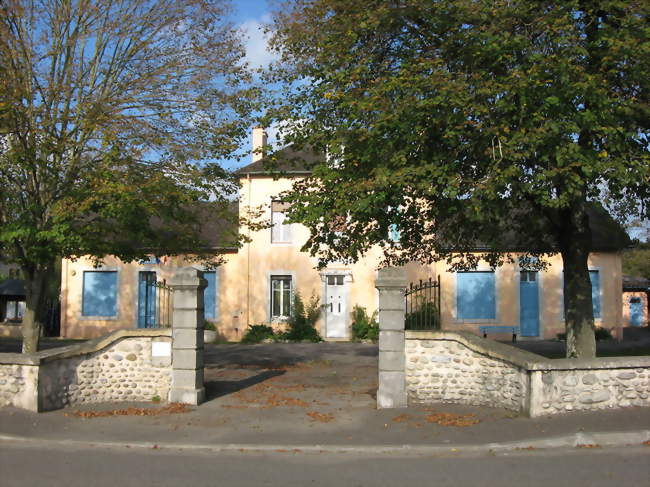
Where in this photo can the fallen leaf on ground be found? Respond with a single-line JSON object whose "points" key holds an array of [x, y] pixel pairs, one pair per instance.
{"points": [[322, 418], [451, 419], [173, 408], [587, 445], [401, 418]]}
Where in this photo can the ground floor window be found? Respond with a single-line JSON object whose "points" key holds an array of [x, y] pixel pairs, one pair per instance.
{"points": [[99, 293], [210, 295], [475, 296], [594, 276], [281, 296], [15, 310]]}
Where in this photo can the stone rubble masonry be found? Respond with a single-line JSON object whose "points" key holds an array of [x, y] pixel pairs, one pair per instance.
{"points": [[187, 331], [391, 284], [117, 367], [460, 367]]}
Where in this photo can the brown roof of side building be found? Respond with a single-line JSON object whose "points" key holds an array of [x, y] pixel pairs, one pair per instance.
{"points": [[634, 283], [284, 161]]}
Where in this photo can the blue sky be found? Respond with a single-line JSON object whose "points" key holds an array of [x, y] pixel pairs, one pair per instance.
{"points": [[250, 15]]}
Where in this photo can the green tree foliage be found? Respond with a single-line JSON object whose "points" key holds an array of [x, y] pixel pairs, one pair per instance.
{"points": [[110, 112], [466, 121], [636, 262]]}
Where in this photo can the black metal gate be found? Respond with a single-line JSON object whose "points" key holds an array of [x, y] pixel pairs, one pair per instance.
{"points": [[163, 304], [423, 305]]}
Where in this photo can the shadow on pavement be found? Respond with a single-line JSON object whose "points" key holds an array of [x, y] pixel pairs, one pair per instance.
{"points": [[276, 355], [218, 388]]}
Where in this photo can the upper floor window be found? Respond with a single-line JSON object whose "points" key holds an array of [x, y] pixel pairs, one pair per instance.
{"points": [[394, 233], [281, 230]]}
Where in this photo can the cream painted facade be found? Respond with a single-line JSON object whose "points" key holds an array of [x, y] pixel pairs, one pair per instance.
{"points": [[243, 290]]}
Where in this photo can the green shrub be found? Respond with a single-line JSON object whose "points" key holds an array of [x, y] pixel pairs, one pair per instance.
{"points": [[364, 327], [425, 316], [258, 333], [603, 334], [210, 326], [302, 323]]}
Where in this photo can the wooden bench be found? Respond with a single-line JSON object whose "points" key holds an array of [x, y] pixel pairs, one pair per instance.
{"points": [[500, 329]]}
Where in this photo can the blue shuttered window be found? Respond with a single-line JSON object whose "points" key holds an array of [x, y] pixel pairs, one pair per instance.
{"points": [[594, 276], [475, 296], [209, 295], [99, 293]]}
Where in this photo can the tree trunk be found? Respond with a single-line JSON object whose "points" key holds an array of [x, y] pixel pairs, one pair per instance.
{"points": [[35, 296], [578, 308]]}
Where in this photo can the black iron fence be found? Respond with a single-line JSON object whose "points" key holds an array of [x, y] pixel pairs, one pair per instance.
{"points": [[423, 305], [163, 318]]}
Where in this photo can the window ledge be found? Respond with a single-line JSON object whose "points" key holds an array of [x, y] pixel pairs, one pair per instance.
{"points": [[473, 321]]}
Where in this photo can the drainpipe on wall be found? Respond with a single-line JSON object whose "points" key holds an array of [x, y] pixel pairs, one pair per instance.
{"points": [[259, 142], [248, 261], [63, 299]]}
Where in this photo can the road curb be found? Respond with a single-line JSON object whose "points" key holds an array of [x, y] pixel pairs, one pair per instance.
{"points": [[577, 440]]}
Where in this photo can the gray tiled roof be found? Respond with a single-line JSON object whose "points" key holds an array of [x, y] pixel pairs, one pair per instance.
{"points": [[284, 161], [12, 287], [633, 283]]}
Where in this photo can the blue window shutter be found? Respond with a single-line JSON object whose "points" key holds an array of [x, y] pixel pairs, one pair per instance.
{"points": [[595, 292], [99, 293], [475, 296], [209, 294]]}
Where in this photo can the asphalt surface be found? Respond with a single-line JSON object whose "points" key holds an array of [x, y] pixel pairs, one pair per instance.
{"points": [[108, 467], [313, 397]]}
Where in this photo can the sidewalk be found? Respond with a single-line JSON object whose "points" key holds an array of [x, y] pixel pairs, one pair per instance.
{"points": [[316, 397]]}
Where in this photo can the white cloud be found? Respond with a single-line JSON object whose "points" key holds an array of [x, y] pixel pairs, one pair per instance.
{"points": [[258, 53]]}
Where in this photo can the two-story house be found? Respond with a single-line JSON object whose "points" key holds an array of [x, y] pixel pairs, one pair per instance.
{"points": [[257, 282]]}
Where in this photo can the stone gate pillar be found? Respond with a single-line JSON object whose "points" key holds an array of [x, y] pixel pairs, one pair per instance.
{"points": [[391, 284], [187, 336]]}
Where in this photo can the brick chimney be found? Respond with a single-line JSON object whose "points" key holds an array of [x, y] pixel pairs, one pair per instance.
{"points": [[259, 141]]}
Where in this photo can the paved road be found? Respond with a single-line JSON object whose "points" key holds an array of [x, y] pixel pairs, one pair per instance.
{"points": [[22, 465]]}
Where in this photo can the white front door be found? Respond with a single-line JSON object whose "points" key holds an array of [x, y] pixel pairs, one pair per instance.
{"points": [[336, 307]]}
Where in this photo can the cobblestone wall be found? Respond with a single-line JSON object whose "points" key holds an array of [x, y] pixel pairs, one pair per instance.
{"points": [[559, 391], [122, 372], [17, 384], [445, 371], [462, 368], [126, 365]]}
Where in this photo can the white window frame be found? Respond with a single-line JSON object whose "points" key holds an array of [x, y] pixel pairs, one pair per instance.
{"points": [[280, 275]]}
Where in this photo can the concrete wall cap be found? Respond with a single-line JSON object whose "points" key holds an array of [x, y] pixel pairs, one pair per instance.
{"points": [[524, 359], [83, 348], [390, 284], [187, 277]]}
